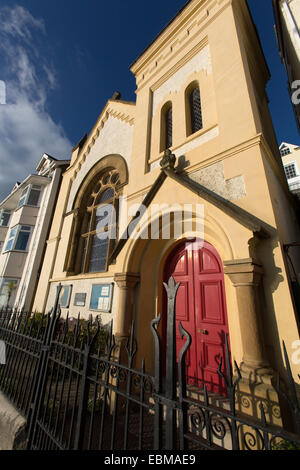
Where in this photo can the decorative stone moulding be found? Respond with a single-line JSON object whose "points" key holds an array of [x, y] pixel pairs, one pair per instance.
{"points": [[200, 61], [193, 26], [109, 113], [204, 137]]}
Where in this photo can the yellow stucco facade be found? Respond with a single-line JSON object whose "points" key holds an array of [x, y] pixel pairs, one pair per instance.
{"points": [[248, 212]]}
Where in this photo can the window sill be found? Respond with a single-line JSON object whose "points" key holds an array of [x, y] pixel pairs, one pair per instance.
{"points": [[71, 277], [14, 251], [188, 139], [99, 311]]}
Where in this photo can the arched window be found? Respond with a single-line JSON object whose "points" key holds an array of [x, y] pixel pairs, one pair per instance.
{"points": [[194, 118], [99, 224], [166, 127], [169, 127]]}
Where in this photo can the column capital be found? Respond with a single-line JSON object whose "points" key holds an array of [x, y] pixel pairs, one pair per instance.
{"points": [[126, 280], [243, 272]]}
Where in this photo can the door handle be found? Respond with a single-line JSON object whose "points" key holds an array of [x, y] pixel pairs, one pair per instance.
{"points": [[204, 332]]}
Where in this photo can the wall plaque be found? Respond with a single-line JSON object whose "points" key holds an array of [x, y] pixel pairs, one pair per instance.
{"points": [[80, 299]]}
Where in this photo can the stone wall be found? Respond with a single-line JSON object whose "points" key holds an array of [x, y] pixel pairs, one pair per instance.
{"points": [[12, 426]]}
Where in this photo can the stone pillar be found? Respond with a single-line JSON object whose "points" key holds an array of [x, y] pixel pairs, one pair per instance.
{"points": [[246, 275], [126, 283], [256, 385], [71, 260]]}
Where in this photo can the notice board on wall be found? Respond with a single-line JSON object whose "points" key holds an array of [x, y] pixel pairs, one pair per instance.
{"points": [[65, 295], [101, 297]]}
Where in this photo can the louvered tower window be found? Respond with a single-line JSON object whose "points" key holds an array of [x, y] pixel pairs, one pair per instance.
{"points": [[195, 110]]}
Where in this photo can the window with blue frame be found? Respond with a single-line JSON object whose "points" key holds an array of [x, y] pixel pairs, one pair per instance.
{"points": [[65, 296], [18, 238], [30, 196], [11, 239], [4, 217]]}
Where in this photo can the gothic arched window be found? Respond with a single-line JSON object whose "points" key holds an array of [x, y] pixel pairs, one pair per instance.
{"points": [[99, 224], [195, 122]]}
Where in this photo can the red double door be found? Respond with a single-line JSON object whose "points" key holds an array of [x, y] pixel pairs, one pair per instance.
{"points": [[201, 307]]}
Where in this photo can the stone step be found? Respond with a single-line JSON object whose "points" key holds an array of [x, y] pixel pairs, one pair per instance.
{"points": [[214, 399]]}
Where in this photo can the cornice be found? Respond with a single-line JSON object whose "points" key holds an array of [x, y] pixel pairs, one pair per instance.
{"points": [[246, 145], [168, 33], [257, 140], [250, 143], [53, 240], [188, 139], [139, 193], [78, 277], [191, 21]]}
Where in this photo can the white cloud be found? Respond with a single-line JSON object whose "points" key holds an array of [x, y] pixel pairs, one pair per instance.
{"points": [[18, 22], [26, 128]]}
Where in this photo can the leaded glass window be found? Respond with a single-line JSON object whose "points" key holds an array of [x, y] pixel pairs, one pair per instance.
{"points": [[99, 224], [169, 127], [166, 131], [195, 110]]}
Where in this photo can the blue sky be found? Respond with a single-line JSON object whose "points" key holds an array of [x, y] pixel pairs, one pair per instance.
{"points": [[61, 61]]}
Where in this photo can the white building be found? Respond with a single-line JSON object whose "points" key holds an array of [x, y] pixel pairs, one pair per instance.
{"points": [[25, 215], [290, 155], [287, 27]]}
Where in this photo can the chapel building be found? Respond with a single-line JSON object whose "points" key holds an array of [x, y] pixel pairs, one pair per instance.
{"points": [[198, 150]]}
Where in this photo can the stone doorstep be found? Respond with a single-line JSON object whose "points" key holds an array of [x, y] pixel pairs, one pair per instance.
{"points": [[214, 399]]}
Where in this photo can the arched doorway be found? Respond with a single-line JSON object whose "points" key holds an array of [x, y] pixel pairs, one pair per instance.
{"points": [[201, 307]]}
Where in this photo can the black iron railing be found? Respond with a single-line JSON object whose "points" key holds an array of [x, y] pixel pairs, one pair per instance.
{"points": [[23, 335], [80, 389]]}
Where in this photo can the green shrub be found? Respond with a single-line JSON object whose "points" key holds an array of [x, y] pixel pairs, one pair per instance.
{"points": [[51, 408], [35, 323], [286, 445], [98, 404], [82, 334]]}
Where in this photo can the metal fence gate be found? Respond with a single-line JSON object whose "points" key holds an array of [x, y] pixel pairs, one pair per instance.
{"points": [[79, 389]]}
